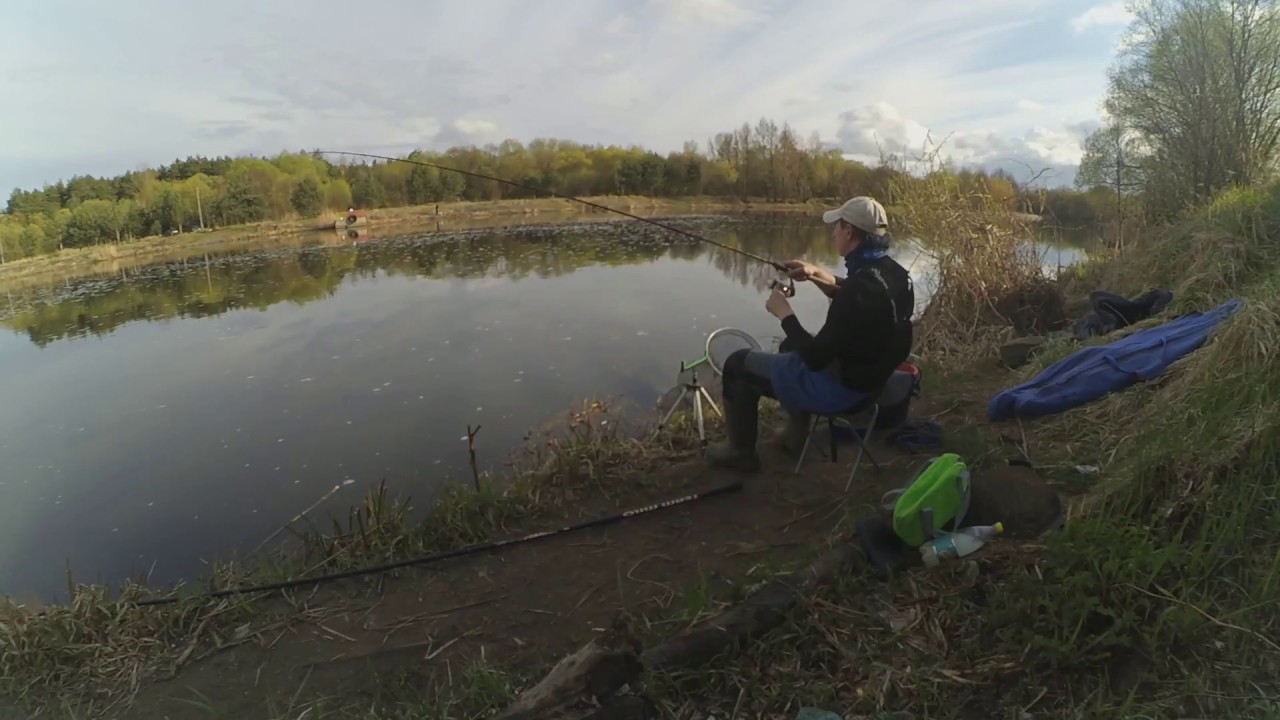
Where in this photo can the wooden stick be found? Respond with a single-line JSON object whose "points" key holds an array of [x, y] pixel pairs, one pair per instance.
{"points": [[471, 450]]}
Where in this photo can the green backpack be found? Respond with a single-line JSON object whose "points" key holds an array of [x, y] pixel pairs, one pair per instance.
{"points": [[936, 497]]}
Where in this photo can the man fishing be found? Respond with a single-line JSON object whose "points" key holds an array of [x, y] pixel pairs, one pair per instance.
{"points": [[866, 336]]}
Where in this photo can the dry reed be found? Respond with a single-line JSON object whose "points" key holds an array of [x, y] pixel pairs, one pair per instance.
{"points": [[989, 278]]}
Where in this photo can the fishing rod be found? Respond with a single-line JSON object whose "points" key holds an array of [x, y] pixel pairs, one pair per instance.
{"points": [[775, 265], [609, 519]]}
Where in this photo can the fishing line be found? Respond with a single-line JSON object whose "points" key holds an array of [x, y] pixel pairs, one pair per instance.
{"points": [[777, 266], [461, 552]]}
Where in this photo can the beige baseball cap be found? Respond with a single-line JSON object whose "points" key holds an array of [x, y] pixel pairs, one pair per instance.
{"points": [[861, 212]]}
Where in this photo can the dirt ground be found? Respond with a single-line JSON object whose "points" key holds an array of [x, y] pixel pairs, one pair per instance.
{"points": [[526, 606]]}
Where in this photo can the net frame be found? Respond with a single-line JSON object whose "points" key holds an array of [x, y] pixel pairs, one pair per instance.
{"points": [[717, 363]]}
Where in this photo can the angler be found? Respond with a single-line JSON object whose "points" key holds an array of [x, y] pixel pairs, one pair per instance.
{"points": [[866, 336]]}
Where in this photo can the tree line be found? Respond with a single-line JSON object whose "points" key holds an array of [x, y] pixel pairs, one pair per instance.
{"points": [[764, 162], [1193, 106]]}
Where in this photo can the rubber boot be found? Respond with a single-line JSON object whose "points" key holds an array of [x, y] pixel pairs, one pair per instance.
{"points": [[790, 439], [739, 453]]}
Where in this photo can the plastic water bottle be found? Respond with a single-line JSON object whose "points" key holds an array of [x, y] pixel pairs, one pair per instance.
{"points": [[958, 544]]}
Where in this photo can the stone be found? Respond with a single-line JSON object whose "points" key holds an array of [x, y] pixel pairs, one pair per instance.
{"points": [[1019, 351], [1016, 496]]}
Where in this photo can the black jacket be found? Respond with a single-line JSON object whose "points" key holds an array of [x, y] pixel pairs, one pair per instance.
{"points": [[868, 331]]}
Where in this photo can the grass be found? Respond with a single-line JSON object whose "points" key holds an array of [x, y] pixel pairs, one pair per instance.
{"points": [[95, 651], [474, 692], [592, 455]]}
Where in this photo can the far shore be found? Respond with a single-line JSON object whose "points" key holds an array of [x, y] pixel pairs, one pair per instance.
{"points": [[112, 258], [116, 257]]}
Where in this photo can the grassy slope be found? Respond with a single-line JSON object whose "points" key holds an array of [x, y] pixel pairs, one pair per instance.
{"points": [[1158, 600]]}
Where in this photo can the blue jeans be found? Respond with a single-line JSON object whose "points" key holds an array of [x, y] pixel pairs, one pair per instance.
{"points": [[785, 378], [752, 374]]}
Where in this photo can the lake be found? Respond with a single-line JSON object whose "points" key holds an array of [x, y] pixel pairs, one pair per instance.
{"points": [[171, 413]]}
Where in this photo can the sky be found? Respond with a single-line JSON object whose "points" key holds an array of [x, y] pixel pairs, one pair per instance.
{"points": [[103, 88]]}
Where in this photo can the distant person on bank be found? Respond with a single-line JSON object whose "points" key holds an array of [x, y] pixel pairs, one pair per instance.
{"points": [[866, 336]]}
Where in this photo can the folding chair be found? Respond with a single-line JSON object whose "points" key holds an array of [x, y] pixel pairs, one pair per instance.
{"points": [[899, 386]]}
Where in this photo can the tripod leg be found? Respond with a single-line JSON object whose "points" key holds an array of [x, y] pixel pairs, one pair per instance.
{"points": [[684, 392], [697, 414], [710, 402]]}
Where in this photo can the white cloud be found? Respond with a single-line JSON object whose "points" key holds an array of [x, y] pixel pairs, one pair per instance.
{"points": [[474, 127], [724, 13], [657, 73], [874, 130], [620, 25], [608, 62], [1107, 14], [868, 132], [802, 99]]}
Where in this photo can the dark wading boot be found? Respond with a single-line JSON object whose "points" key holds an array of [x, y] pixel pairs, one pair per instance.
{"points": [[740, 452], [790, 439]]}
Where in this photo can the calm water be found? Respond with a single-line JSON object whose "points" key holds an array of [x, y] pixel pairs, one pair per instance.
{"points": [[186, 410]]}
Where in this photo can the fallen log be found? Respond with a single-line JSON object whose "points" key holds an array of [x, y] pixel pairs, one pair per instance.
{"points": [[577, 686], [583, 685]]}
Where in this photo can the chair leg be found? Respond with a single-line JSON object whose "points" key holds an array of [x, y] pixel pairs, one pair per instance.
{"points": [[871, 456], [863, 439], [831, 432], [849, 483], [807, 438]]}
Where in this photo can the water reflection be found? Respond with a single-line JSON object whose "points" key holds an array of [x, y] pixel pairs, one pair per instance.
{"points": [[353, 235], [213, 285], [175, 412]]}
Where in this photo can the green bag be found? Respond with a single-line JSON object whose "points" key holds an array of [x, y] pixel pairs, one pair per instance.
{"points": [[936, 497]]}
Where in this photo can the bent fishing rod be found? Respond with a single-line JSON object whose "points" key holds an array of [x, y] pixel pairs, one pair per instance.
{"points": [[775, 265], [730, 487]]}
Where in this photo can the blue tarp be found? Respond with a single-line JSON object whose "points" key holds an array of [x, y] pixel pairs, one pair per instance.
{"points": [[1091, 372]]}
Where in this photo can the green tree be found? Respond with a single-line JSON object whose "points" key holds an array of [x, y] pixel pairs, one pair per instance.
{"points": [[242, 201], [307, 199], [366, 191], [92, 221], [1200, 87], [337, 194], [1113, 161], [423, 185]]}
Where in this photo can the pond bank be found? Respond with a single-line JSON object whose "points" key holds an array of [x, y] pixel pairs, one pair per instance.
{"points": [[1157, 601]]}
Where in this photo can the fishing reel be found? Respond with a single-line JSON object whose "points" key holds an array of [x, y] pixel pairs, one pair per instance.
{"points": [[788, 288]]}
